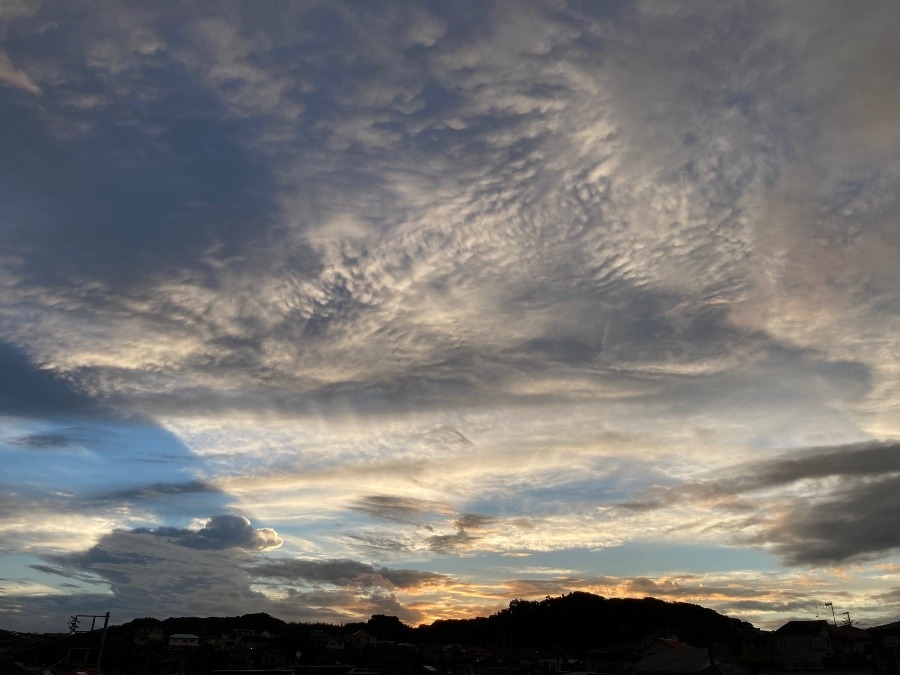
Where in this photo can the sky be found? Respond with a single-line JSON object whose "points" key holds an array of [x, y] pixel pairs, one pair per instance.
{"points": [[331, 309]]}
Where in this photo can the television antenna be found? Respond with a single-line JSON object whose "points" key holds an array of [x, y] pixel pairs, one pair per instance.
{"points": [[75, 627], [833, 617]]}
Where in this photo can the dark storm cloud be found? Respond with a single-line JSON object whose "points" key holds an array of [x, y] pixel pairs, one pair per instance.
{"points": [[220, 532], [861, 459], [847, 462], [112, 559], [152, 573], [854, 516], [128, 168], [860, 520], [156, 575], [50, 612], [342, 572], [27, 390]]}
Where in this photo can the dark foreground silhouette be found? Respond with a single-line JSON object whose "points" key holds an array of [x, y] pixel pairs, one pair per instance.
{"points": [[565, 627]]}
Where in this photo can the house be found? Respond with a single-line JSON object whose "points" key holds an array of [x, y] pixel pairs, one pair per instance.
{"points": [[746, 646], [10, 667], [610, 659], [688, 660], [804, 644], [886, 644], [852, 646], [177, 640], [657, 645], [146, 635], [218, 642], [363, 639]]}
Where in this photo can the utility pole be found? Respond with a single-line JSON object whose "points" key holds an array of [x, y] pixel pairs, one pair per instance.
{"points": [[74, 628]]}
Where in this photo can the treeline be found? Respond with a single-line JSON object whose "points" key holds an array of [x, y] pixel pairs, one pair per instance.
{"points": [[581, 621], [573, 622]]}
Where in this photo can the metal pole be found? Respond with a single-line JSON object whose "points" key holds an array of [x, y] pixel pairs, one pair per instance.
{"points": [[102, 643]]}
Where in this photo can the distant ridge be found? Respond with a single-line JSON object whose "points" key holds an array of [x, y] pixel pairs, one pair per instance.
{"points": [[576, 620], [580, 620]]}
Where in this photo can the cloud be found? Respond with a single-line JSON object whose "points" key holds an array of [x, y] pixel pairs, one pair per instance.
{"points": [[869, 459], [830, 505], [402, 273], [15, 77], [67, 573], [398, 509], [49, 521], [157, 575], [27, 390], [164, 573], [473, 521], [157, 491], [339, 572], [37, 441], [220, 532], [853, 522], [469, 531], [460, 279]]}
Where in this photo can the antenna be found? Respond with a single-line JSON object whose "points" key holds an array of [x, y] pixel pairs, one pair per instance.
{"points": [[833, 617], [95, 620]]}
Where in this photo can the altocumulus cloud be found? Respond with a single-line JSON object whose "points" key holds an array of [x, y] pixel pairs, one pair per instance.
{"points": [[442, 282]]}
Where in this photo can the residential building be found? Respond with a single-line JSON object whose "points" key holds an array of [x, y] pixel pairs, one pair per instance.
{"points": [[804, 644]]}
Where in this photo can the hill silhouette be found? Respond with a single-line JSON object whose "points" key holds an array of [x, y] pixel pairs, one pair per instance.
{"points": [[574, 622], [582, 620]]}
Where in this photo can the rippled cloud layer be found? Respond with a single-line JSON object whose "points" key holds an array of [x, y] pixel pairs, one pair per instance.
{"points": [[332, 310]]}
